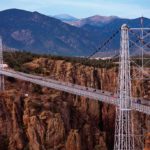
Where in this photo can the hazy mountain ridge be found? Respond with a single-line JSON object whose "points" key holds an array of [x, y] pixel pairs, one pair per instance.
{"points": [[96, 20], [65, 17]]}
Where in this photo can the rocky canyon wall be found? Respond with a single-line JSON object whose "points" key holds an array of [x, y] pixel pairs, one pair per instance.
{"points": [[47, 119]]}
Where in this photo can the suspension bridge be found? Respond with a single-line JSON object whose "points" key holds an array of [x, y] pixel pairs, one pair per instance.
{"points": [[124, 102]]}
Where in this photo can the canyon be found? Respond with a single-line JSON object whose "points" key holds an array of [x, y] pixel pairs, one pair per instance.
{"points": [[38, 118]]}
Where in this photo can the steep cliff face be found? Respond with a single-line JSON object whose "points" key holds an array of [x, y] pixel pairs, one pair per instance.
{"points": [[47, 119], [147, 142]]}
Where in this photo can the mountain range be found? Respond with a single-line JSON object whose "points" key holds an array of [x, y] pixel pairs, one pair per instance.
{"points": [[39, 33], [96, 20]]}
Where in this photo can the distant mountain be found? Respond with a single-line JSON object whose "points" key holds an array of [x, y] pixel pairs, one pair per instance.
{"points": [[38, 33], [103, 33], [65, 18], [94, 21]]}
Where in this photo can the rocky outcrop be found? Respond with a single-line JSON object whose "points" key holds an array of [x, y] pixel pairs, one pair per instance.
{"points": [[147, 142], [73, 141]]}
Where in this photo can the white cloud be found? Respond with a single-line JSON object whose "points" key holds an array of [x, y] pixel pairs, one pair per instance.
{"points": [[112, 8], [92, 7]]}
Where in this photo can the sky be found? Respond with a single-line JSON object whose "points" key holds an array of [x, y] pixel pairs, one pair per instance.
{"points": [[83, 8]]}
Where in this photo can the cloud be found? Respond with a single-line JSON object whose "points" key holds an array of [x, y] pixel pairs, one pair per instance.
{"points": [[109, 7], [128, 8]]}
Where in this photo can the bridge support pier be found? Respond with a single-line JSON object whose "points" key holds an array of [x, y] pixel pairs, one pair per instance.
{"points": [[124, 133]]}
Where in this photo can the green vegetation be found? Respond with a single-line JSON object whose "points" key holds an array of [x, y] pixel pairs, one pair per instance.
{"points": [[26, 147], [37, 89], [91, 62], [4, 142], [17, 59], [138, 61], [35, 105]]}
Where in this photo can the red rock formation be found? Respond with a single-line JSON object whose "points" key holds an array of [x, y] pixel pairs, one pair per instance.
{"points": [[73, 141], [147, 142], [50, 119]]}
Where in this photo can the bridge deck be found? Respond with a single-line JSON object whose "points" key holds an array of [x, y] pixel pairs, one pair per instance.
{"points": [[73, 89]]}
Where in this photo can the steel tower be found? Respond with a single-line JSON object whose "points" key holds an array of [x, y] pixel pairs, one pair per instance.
{"points": [[1, 66], [124, 136]]}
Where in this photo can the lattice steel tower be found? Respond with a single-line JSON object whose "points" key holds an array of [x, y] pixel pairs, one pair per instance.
{"points": [[1, 65], [124, 136]]}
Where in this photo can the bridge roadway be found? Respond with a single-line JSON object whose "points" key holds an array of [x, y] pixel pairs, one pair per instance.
{"points": [[91, 93]]}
